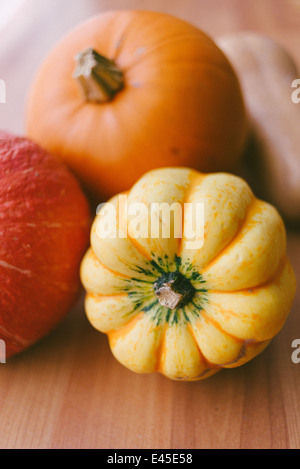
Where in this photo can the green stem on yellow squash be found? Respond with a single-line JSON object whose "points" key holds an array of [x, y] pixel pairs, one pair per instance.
{"points": [[173, 290]]}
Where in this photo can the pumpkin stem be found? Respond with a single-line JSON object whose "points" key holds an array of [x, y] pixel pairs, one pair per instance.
{"points": [[99, 78], [173, 290]]}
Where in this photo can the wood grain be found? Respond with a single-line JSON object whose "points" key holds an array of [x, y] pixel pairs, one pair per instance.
{"points": [[68, 391]]}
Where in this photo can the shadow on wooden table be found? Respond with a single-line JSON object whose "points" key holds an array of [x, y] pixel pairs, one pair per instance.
{"points": [[68, 391]]}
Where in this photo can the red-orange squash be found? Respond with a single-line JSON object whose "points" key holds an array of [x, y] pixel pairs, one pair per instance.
{"points": [[44, 231], [129, 91]]}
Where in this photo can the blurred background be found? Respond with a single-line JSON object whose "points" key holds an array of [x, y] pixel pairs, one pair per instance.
{"points": [[29, 29]]}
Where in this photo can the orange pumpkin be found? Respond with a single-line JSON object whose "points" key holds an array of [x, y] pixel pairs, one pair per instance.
{"points": [[149, 90]]}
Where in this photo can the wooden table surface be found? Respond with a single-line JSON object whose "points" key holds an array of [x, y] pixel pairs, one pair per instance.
{"points": [[68, 391]]}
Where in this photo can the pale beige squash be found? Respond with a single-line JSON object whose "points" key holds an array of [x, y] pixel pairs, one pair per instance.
{"points": [[268, 76]]}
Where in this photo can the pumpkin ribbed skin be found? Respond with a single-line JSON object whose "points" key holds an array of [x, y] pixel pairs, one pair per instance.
{"points": [[181, 104], [242, 280]]}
